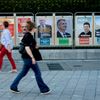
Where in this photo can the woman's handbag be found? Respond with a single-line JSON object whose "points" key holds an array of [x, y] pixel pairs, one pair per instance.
{"points": [[22, 48], [35, 51], [37, 54]]}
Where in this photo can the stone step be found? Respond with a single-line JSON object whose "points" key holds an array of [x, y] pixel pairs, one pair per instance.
{"points": [[69, 65], [65, 54], [62, 59]]}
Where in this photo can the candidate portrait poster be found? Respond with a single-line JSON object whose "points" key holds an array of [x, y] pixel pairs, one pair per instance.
{"points": [[20, 21], [63, 30], [83, 31], [97, 30], [21, 26], [44, 30]]}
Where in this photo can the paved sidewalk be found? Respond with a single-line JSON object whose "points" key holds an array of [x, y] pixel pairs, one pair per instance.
{"points": [[65, 85]]}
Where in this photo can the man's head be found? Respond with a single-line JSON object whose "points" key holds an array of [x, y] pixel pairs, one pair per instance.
{"points": [[5, 24], [86, 26], [62, 25], [24, 27], [42, 20]]}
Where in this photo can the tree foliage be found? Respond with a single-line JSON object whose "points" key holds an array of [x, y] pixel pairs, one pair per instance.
{"points": [[48, 5]]}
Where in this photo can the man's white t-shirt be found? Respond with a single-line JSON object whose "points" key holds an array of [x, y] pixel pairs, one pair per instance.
{"points": [[6, 38]]}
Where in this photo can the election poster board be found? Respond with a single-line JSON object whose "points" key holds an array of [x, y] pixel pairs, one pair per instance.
{"points": [[10, 19], [21, 26], [63, 30], [83, 30], [97, 30], [45, 29]]}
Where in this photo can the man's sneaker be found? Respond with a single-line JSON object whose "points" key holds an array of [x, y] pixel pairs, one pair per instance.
{"points": [[13, 71], [14, 90], [45, 93]]}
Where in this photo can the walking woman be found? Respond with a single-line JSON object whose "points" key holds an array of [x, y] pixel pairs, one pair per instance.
{"points": [[30, 62]]}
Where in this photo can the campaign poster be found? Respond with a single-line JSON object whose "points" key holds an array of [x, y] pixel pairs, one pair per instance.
{"points": [[83, 31], [11, 24], [21, 26], [97, 30], [63, 30], [44, 30]]}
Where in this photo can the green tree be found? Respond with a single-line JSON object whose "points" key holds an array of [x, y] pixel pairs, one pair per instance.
{"points": [[49, 5]]}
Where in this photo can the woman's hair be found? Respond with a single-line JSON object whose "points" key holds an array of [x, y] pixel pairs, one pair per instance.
{"points": [[30, 25], [6, 24]]}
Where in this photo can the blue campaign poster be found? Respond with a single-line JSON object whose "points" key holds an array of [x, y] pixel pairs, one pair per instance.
{"points": [[97, 30], [44, 30], [98, 40], [45, 41]]}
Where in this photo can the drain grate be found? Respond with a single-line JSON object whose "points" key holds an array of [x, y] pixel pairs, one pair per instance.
{"points": [[77, 66], [54, 66]]}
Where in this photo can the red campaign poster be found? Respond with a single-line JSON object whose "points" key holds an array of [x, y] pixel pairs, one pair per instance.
{"points": [[11, 28], [20, 21], [19, 28], [84, 40], [11, 24], [1, 28]]}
